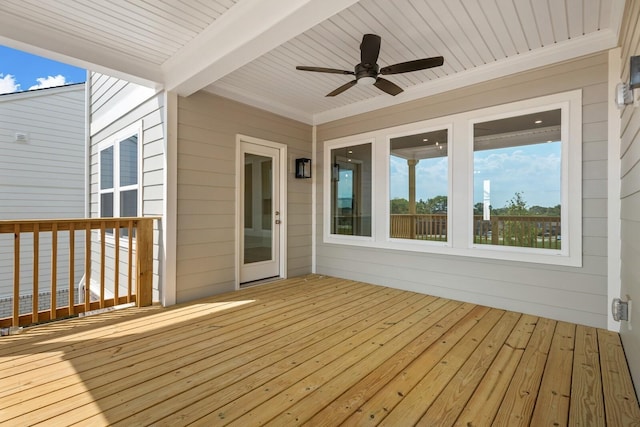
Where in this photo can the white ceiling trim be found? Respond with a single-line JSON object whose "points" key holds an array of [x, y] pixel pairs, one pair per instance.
{"points": [[574, 48], [266, 104], [247, 31]]}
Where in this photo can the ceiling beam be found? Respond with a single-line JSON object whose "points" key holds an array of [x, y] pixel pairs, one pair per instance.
{"points": [[33, 37], [248, 30]]}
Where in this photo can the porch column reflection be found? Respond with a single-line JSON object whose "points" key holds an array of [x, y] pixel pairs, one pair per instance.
{"points": [[412, 194]]}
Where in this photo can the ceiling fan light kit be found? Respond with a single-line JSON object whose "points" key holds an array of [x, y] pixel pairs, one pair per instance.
{"points": [[367, 72]]}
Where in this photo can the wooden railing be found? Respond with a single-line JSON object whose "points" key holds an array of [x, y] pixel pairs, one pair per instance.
{"points": [[419, 226], [124, 233], [529, 231], [524, 231]]}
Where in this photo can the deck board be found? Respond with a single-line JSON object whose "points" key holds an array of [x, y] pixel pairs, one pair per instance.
{"points": [[318, 351]]}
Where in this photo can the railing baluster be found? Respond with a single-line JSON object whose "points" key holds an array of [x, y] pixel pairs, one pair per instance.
{"points": [[103, 258], [130, 260], [116, 278], [87, 268], [54, 269], [16, 276], [35, 306], [72, 269]]}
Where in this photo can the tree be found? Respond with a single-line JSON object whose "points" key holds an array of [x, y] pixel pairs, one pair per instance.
{"points": [[399, 206], [437, 204], [517, 205], [518, 232]]}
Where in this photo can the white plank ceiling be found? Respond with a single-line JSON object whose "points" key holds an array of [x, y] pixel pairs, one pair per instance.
{"points": [[248, 49]]}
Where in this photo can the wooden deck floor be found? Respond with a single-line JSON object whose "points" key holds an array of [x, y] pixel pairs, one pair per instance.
{"points": [[316, 351]]}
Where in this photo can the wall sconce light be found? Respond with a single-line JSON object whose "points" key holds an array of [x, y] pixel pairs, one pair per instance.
{"points": [[624, 91], [303, 168]]}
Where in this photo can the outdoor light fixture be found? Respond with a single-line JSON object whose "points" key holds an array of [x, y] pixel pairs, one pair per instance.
{"points": [[624, 91], [303, 168]]}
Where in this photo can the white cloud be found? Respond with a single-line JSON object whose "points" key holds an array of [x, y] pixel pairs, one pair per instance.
{"points": [[8, 84], [533, 170], [50, 81]]}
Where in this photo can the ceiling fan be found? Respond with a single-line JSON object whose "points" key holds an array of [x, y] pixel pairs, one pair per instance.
{"points": [[368, 72]]}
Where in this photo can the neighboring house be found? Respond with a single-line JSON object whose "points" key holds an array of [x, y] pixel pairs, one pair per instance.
{"points": [[42, 176], [220, 173]]}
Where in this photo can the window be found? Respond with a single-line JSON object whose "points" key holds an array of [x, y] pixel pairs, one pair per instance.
{"points": [[119, 178], [517, 181], [419, 186], [504, 182], [351, 196]]}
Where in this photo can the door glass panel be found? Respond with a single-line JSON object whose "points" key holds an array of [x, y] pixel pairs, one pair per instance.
{"points": [[258, 212]]}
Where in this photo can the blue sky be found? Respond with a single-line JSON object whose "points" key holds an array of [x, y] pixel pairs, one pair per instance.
{"points": [[533, 170], [20, 71]]}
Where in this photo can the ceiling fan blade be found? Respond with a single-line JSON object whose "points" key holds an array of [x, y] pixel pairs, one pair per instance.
{"points": [[324, 70], [387, 86], [342, 88], [418, 64], [369, 50]]}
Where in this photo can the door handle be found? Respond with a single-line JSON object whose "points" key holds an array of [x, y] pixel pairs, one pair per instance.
{"points": [[278, 221]]}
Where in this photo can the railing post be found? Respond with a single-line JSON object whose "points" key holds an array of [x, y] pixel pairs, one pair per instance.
{"points": [[144, 262], [495, 231], [16, 276]]}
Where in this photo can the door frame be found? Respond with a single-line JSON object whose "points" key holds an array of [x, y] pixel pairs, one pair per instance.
{"points": [[282, 208]]}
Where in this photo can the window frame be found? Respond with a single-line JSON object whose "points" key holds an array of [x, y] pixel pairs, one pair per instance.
{"points": [[460, 198], [115, 141], [354, 239], [411, 130]]}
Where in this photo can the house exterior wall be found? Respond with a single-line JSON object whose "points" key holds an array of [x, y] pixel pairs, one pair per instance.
{"points": [[41, 177], [630, 196], [564, 293], [206, 230], [116, 105]]}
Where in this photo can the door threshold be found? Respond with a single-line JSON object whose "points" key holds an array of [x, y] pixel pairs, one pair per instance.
{"points": [[260, 282]]}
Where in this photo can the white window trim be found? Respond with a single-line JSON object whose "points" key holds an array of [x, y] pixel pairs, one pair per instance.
{"points": [[460, 200], [113, 141], [342, 143], [407, 130]]}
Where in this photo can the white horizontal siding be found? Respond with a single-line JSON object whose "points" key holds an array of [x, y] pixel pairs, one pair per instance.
{"points": [[630, 194], [207, 131], [41, 178], [107, 94], [564, 293]]}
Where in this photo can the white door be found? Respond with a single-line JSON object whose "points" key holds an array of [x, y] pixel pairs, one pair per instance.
{"points": [[260, 213]]}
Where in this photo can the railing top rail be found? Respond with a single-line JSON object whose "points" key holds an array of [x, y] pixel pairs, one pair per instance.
{"points": [[27, 225], [521, 217], [495, 217]]}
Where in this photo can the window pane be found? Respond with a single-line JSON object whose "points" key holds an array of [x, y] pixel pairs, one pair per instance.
{"points": [[106, 205], [418, 186], [517, 181], [351, 190], [106, 168], [128, 207], [129, 161], [129, 203]]}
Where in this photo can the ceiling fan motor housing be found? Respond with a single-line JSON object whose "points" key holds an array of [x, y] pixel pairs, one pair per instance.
{"points": [[363, 71]]}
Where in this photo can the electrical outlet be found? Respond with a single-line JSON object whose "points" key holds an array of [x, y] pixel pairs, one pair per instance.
{"points": [[630, 309]]}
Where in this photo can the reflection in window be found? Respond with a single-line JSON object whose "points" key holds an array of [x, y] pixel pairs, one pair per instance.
{"points": [[517, 181], [418, 186], [351, 190]]}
